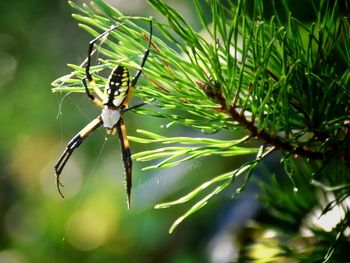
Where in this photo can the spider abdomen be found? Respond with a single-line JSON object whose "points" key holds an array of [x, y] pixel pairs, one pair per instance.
{"points": [[117, 87]]}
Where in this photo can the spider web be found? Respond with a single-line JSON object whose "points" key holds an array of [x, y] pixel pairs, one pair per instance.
{"points": [[81, 196], [60, 256]]}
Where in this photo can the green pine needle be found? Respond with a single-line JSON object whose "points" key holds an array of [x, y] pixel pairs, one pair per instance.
{"points": [[276, 80]]}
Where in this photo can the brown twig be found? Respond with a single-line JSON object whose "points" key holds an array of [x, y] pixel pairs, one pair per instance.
{"points": [[273, 140]]}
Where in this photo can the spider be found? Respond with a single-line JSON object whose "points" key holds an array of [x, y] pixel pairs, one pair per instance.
{"points": [[113, 102]]}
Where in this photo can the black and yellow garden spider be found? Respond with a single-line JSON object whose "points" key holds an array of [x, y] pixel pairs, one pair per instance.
{"points": [[114, 101]]}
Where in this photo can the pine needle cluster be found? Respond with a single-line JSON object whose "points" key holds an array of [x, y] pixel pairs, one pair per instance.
{"points": [[273, 80]]}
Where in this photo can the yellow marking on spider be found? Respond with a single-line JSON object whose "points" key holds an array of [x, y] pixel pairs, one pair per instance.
{"points": [[98, 92], [87, 130], [125, 138], [98, 103], [118, 100]]}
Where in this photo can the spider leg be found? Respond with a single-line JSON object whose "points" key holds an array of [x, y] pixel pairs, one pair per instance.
{"points": [[126, 156], [88, 63], [127, 108], [91, 48], [72, 145], [97, 101], [145, 56]]}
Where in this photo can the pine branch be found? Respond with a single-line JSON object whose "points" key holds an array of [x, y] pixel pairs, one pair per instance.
{"points": [[276, 141], [276, 79]]}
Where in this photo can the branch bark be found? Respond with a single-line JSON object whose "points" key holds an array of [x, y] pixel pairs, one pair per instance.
{"points": [[279, 143]]}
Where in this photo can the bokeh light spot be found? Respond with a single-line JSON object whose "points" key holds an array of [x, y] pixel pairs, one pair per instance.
{"points": [[11, 256], [71, 178], [86, 230]]}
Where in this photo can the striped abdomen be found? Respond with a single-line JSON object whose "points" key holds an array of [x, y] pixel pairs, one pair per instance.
{"points": [[117, 87]]}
